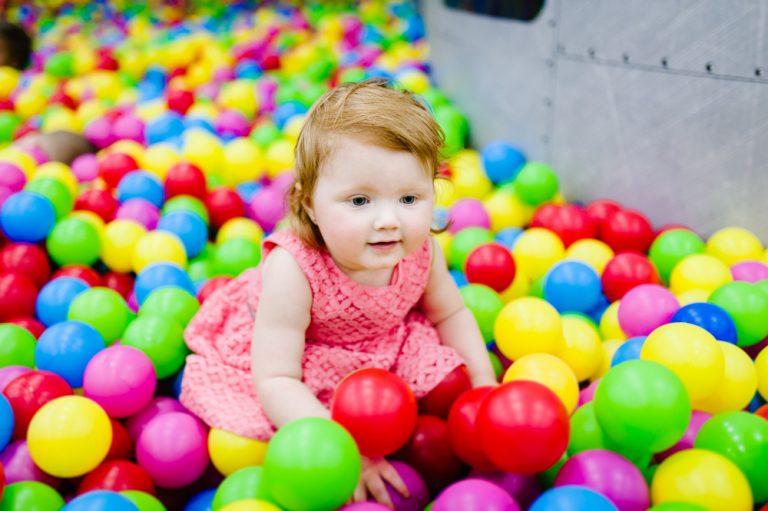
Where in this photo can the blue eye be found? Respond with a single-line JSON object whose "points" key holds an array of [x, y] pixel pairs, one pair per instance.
{"points": [[359, 201], [408, 199]]}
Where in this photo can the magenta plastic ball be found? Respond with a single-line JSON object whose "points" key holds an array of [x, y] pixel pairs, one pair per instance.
{"points": [[645, 308], [129, 127], [85, 167], [121, 379], [99, 133], [233, 123], [609, 474], [365, 506], [267, 207], [141, 211], [158, 406], [11, 176], [132, 302], [419, 493], [18, 465], [9, 373], [282, 183], [474, 495], [468, 213], [173, 448], [698, 418], [587, 394], [749, 271], [523, 488]]}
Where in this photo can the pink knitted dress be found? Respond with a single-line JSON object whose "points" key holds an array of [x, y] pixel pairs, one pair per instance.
{"points": [[352, 326]]}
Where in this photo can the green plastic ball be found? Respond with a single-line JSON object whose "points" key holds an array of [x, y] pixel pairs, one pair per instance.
{"points": [[464, 242], [102, 308], [265, 134], [60, 65], [143, 501], [485, 304], [170, 302], [455, 127], [30, 496], [670, 247], [235, 255], [747, 304], [244, 484], [9, 123], [187, 203], [74, 240], [161, 339], [56, 191], [536, 183], [17, 346]]}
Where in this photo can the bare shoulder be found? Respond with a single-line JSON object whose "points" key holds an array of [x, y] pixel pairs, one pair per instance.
{"points": [[441, 296], [285, 291]]}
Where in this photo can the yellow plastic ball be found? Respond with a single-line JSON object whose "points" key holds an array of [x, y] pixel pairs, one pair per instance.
{"points": [[609, 323], [119, 241], [69, 436], [230, 452], [761, 367], [414, 80], [693, 296], [159, 158], [699, 271], [29, 103], [583, 346], [733, 244], [60, 119], [199, 74], [9, 80], [536, 250], [473, 184], [551, 372], [19, 158], [204, 150], [507, 210], [242, 162], [240, 95], [156, 247], [445, 193], [149, 110], [293, 126], [528, 325], [690, 352], [702, 477], [519, 287], [207, 110], [59, 171], [89, 111], [279, 158], [593, 252], [240, 228], [466, 160], [250, 505], [738, 385], [609, 348]]}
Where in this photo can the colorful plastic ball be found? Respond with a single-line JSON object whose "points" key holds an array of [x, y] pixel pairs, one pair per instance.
{"points": [[140, 211], [201, 501], [570, 222], [572, 286], [536, 250], [502, 161], [699, 271], [377, 408], [572, 498], [485, 305], [267, 207], [117, 476], [101, 202], [627, 230], [733, 245], [180, 100], [122, 443], [250, 505], [462, 427], [465, 242], [188, 227], [231, 452], [224, 204], [244, 484], [69, 436], [164, 127], [240, 228], [141, 185], [492, 265], [549, 371], [12, 177], [84, 273], [115, 166], [185, 179], [55, 191], [236, 255], [702, 477], [646, 307], [19, 466], [161, 339], [536, 183], [6, 430], [609, 474], [158, 406], [528, 325], [750, 271], [28, 392], [712, 318], [474, 495], [173, 449], [74, 241], [121, 379], [438, 401], [747, 305], [158, 247], [628, 350], [508, 236], [698, 419], [66, 348], [31, 495], [143, 500], [120, 238], [672, 246], [418, 493], [18, 294], [523, 427], [26, 258], [311, 464], [582, 350], [738, 385], [27, 216], [100, 499], [171, 302], [642, 403], [468, 212], [761, 366], [102, 308], [242, 162], [626, 271], [159, 275], [17, 346]]}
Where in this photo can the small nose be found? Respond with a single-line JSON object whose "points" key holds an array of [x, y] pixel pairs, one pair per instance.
{"points": [[386, 219]]}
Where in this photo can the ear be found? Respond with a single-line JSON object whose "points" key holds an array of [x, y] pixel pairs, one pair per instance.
{"points": [[306, 203]]}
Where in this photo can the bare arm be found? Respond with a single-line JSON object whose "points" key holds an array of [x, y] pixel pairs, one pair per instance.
{"points": [[444, 307], [278, 341]]}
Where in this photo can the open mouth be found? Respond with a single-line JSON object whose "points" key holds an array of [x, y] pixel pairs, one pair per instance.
{"points": [[383, 245]]}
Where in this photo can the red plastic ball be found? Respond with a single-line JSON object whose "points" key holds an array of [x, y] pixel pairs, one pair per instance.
{"points": [[105, 61], [84, 273], [2, 481], [32, 325], [121, 447], [523, 427], [117, 475], [28, 392], [211, 286], [462, 428], [114, 166], [762, 412], [377, 408], [599, 210], [18, 294], [101, 202], [438, 401], [626, 271], [120, 282], [491, 264], [180, 100], [185, 178], [429, 451], [224, 204], [627, 230], [570, 222], [28, 259]]}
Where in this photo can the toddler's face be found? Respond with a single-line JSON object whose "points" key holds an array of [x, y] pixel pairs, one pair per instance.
{"points": [[373, 206]]}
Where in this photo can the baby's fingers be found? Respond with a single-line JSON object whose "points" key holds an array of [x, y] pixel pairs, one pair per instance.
{"points": [[390, 475], [360, 494], [379, 491]]}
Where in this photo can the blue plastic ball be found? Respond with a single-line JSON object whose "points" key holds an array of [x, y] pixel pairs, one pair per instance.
{"points": [[629, 350], [572, 498], [459, 278], [248, 189], [6, 422], [100, 500], [141, 185], [55, 297], [572, 286], [27, 216], [712, 318], [189, 227], [248, 69], [164, 127], [66, 348], [201, 501], [200, 123], [159, 275], [502, 161], [287, 110], [508, 236]]}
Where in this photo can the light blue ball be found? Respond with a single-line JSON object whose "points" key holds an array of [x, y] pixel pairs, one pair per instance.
{"points": [[502, 161], [55, 297], [164, 127], [572, 286], [27, 216], [572, 498], [189, 228], [66, 348], [629, 350], [100, 500], [141, 185], [6, 422], [202, 501], [159, 275]]}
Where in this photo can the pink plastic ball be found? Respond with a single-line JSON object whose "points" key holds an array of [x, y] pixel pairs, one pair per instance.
{"points": [[173, 448], [749, 271], [9, 373], [18, 465], [587, 394], [646, 307], [99, 133], [158, 406], [233, 123], [85, 167], [267, 207], [468, 213], [129, 127], [698, 418], [474, 495], [141, 211], [11, 176], [523, 488], [121, 379]]}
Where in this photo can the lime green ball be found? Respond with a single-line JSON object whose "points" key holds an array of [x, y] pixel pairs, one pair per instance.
{"points": [[536, 183], [30, 495], [60, 65], [312, 464], [9, 123], [56, 191], [464, 242], [455, 127], [352, 75], [200, 269], [235, 255], [102, 308], [311, 93], [434, 98], [243, 484], [187, 203], [747, 304], [485, 305], [672, 246], [74, 241], [143, 501], [17, 346], [161, 339], [265, 134], [321, 69], [537, 287], [498, 367], [170, 302]]}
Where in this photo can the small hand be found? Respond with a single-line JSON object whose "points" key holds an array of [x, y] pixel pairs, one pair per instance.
{"points": [[375, 472]]}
